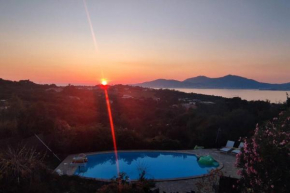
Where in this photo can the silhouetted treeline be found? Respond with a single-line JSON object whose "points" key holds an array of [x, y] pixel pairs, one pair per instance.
{"points": [[74, 119]]}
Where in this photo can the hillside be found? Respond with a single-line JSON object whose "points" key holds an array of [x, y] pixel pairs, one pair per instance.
{"points": [[226, 82]]}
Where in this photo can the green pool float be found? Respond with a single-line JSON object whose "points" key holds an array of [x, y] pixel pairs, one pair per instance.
{"points": [[206, 160]]}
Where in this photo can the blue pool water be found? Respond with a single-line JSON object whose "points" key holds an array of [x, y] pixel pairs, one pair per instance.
{"points": [[158, 165]]}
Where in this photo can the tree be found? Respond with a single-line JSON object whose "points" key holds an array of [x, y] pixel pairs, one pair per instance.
{"points": [[265, 158], [288, 100]]}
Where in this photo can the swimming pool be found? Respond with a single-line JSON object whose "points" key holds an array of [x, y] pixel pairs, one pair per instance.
{"points": [[158, 165]]}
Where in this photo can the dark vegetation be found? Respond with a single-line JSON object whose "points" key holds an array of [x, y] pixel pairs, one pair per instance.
{"points": [[23, 170], [121, 185], [74, 119]]}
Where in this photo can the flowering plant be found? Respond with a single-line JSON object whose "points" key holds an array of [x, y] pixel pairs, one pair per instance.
{"points": [[265, 158]]}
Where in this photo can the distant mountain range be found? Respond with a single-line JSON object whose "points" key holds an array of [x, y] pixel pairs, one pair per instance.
{"points": [[226, 82]]}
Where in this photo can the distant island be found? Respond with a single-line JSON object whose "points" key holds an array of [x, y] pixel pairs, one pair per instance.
{"points": [[226, 82]]}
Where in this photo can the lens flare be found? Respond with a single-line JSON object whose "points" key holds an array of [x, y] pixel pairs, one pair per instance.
{"points": [[104, 86], [112, 130], [91, 26]]}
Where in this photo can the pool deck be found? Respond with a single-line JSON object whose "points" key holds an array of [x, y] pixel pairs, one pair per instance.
{"points": [[184, 186], [227, 162]]}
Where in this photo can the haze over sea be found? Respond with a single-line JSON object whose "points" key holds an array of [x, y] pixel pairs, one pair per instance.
{"points": [[247, 94]]}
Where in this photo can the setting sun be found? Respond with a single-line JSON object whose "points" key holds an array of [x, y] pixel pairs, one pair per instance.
{"points": [[104, 82]]}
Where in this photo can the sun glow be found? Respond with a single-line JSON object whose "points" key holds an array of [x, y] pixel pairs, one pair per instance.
{"points": [[104, 82]]}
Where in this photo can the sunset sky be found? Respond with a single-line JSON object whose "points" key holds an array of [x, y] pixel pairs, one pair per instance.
{"points": [[50, 41]]}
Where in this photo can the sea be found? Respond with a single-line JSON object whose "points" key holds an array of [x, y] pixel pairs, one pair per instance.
{"points": [[250, 95]]}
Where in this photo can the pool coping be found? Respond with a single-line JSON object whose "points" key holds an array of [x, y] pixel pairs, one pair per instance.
{"points": [[72, 169]]}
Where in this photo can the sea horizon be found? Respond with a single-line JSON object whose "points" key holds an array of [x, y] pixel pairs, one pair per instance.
{"points": [[274, 96]]}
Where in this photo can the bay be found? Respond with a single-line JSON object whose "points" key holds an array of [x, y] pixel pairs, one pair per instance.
{"points": [[273, 96]]}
